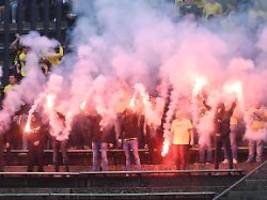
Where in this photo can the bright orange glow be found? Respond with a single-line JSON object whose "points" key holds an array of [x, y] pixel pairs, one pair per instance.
{"points": [[50, 101], [165, 148], [27, 128], [83, 104], [132, 102], [235, 88], [200, 82]]}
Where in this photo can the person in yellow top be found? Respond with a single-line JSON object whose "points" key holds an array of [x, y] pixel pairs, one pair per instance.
{"points": [[12, 82], [212, 8], [21, 61], [55, 58], [257, 129], [181, 129]]}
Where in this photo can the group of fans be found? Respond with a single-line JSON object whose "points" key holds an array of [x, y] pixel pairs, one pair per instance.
{"points": [[130, 130], [208, 9]]}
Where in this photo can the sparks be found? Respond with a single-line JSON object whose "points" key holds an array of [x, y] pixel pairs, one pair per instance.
{"points": [[132, 102], [165, 148]]}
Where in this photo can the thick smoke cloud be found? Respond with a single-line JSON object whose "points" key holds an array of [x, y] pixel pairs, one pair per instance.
{"points": [[118, 45]]}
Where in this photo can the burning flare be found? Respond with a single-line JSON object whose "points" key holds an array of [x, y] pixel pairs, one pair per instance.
{"points": [[27, 128], [234, 88], [82, 106], [165, 148], [200, 82], [50, 101], [132, 102]]}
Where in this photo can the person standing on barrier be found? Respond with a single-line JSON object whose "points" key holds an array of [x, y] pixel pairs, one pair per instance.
{"points": [[181, 129], [130, 132], [60, 145], [35, 136], [222, 133]]}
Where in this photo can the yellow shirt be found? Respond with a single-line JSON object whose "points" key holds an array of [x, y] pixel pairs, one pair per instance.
{"points": [[256, 125], [199, 3], [181, 131], [8, 88], [212, 9], [55, 59], [22, 59], [233, 121]]}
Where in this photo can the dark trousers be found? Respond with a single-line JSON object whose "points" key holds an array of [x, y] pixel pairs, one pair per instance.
{"points": [[1, 153], [35, 157], [180, 155], [226, 143], [60, 146]]}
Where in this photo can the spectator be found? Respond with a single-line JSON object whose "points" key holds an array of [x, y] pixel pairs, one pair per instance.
{"points": [[190, 8], [100, 142], [12, 82], [129, 137], [222, 133], [255, 134], [181, 129], [21, 61], [212, 9], [60, 146], [4, 145], [55, 58], [235, 125], [36, 143]]}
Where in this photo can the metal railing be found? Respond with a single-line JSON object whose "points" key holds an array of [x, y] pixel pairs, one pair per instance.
{"points": [[239, 182]]}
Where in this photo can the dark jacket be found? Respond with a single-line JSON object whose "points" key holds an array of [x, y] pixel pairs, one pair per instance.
{"points": [[190, 9], [38, 133], [130, 125], [98, 133], [222, 120]]}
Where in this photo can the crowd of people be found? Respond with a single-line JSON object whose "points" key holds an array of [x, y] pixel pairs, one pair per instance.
{"points": [[130, 130], [208, 9]]}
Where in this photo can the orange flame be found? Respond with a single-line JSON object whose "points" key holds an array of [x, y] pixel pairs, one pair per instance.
{"points": [[83, 104], [165, 148], [132, 102], [50, 101], [27, 128]]}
